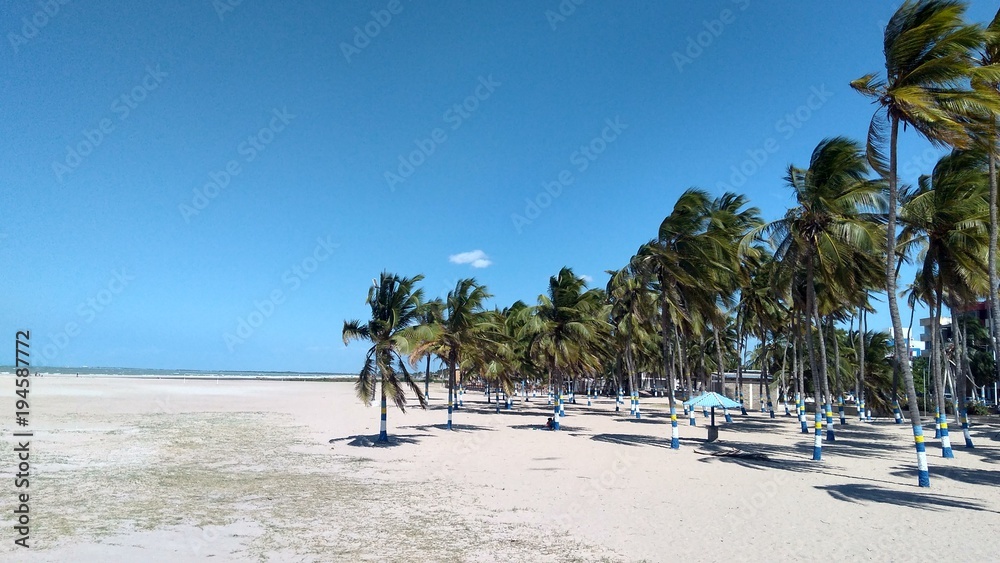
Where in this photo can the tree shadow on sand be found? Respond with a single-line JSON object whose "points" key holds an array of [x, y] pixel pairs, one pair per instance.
{"points": [[632, 440], [454, 427], [858, 493], [986, 477], [362, 441], [562, 427]]}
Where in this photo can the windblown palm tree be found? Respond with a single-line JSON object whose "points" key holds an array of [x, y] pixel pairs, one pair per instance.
{"points": [[827, 233], [990, 60], [394, 302], [948, 213], [464, 316], [570, 331], [928, 62]]}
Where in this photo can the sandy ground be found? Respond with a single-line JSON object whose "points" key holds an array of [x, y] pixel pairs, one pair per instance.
{"points": [[133, 470]]}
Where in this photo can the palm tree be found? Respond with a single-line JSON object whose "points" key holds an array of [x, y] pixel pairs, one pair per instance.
{"points": [[990, 59], [948, 213], [927, 48], [395, 303], [431, 313], [829, 232], [570, 331], [460, 327]]}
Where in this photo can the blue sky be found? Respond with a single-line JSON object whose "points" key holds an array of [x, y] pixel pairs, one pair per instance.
{"points": [[174, 173]]}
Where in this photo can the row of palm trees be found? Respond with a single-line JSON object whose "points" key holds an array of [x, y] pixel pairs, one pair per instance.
{"points": [[716, 277]]}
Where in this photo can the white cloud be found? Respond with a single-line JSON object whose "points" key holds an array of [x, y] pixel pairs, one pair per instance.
{"points": [[477, 258], [587, 278]]}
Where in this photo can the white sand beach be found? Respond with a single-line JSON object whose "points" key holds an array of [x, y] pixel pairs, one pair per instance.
{"points": [[173, 470]]}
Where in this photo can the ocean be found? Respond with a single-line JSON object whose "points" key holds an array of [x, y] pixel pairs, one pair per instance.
{"points": [[177, 373]]}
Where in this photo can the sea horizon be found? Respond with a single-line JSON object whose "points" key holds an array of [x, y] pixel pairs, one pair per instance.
{"points": [[88, 371]]}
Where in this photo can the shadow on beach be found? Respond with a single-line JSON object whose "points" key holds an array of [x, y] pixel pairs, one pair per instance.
{"points": [[859, 493], [361, 441], [985, 477], [632, 440], [444, 426]]}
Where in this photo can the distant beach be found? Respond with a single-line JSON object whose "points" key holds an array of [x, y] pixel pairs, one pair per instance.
{"points": [[145, 373]]}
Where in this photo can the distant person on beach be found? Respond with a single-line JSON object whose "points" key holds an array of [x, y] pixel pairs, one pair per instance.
{"points": [[550, 424]]}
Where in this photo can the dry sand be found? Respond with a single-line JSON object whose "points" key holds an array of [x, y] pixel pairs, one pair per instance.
{"points": [[171, 470]]}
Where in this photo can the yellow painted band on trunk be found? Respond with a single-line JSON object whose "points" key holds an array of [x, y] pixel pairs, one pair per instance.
{"points": [[819, 425], [918, 439]]}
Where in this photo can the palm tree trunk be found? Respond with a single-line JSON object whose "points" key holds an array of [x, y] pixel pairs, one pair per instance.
{"points": [[897, 366], [427, 378], [383, 434], [764, 372], [836, 372], [557, 390], [783, 394], [739, 366], [813, 365], [862, 363], [923, 475], [675, 437], [799, 374], [961, 353], [824, 372], [937, 363], [452, 359], [992, 258]]}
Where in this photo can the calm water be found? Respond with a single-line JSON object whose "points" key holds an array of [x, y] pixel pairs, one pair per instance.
{"points": [[175, 373]]}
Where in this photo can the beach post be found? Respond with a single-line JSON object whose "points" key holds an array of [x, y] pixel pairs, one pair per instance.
{"points": [[965, 430], [450, 407], [923, 475], [800, 406], [946, 450], [556, 414], [829, 422], [818, 437], [383, 433], [675, 433]]}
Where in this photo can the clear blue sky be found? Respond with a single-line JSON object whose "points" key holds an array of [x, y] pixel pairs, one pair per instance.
{"points": [[115, 113]]}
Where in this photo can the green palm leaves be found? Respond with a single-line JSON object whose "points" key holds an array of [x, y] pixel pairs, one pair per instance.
{"points": [[395, 305]]}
